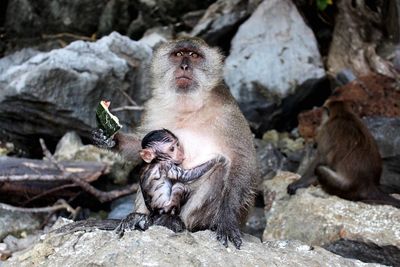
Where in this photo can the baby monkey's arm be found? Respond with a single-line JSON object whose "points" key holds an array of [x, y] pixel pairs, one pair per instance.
{"points": [[182, 175]]}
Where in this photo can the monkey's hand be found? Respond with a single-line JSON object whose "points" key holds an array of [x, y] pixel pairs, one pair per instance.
{"points": [[292, 188], [100, 139], [134, 221], [303, 182], [221, 160], [227, 230]]}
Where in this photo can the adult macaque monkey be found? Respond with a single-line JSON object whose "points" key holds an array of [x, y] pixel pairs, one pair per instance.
{"points": [[348, 163], [190, 99]]}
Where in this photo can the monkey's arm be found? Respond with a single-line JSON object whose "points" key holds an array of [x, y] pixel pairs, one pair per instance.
{"points": [[307, 179], [182, 175], [127, 145]]}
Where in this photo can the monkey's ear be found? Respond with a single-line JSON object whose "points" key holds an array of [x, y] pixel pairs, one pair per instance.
{"points": [[147, 154]]}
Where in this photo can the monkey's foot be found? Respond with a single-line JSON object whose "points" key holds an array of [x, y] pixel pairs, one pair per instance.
{"points": [[101, 140], [134, 221], [227, 232], [170, 221]]}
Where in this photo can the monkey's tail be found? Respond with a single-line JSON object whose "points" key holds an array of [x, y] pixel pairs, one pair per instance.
{"points": [[381, 198]]}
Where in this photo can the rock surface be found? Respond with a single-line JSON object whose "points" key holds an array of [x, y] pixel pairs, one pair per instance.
{"points": [[317, 218], [222, 19], [356, 38], [14, 222], [159, 246], [386, 133], [272, 53], [55, 92], [32, 18]]}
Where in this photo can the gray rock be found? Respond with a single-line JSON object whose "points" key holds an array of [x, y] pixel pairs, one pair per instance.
{"points": [[386, 133], [55, 92], [255, 224], [272, 53], [121, 207], [221, 20], [31, 18], [157, 35], [68, 146], [114, 17], [317, 218], [270, 158], [15, 222], [159, 246]]}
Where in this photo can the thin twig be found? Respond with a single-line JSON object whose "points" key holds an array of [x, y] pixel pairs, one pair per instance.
{"points": [[133, 102], [59, 205], [48, 192], [123, 108], [70, 35]]}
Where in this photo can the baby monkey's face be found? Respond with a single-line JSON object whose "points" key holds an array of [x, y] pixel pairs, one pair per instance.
{"points": [[175, 151]]}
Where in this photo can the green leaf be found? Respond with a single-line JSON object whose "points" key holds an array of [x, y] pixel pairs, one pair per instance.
{"points": [[322, 4]]}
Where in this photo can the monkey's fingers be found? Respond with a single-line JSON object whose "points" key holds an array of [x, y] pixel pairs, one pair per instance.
{"points": [[229, 233], [236, 239], [101, 140], [222, 238]]}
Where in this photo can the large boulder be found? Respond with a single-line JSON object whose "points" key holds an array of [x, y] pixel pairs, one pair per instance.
{"points": [[272, 54], [159, 246], [358, 36], [370, 233], [51, 93], [222, 19]]}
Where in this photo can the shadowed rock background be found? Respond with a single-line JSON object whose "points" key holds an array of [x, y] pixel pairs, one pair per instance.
{"points": [[284, 58]]}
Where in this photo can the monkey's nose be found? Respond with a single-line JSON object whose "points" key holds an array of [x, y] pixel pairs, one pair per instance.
{"points": [[184, 66]]}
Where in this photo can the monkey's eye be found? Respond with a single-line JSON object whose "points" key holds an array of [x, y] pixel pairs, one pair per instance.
{"points": [[172, 148], [193, 54], [177, 144], [178, 54]]}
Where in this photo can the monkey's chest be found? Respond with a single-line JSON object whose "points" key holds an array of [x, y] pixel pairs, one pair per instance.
{"points": [[199, 146]]}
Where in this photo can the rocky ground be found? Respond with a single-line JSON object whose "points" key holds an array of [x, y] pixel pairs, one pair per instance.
{"points": [[283, 60]]}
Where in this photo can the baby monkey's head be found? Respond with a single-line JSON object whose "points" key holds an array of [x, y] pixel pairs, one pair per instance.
{"points": [[161, 145]]}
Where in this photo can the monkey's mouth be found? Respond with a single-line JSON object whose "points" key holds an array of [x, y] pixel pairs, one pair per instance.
{"points": [[183, 81]]}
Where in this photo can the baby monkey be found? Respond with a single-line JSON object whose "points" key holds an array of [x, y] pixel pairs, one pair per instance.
{"points": [[162, 179]]}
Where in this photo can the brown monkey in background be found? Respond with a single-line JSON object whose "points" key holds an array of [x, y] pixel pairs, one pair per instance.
{"points": [[190, 99], [162, 180], [348, 163]]}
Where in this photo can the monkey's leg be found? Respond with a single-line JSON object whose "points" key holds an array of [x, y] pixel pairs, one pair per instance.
{"points": [[331, 179], [127, 145], [228, 216], [178, 192]]}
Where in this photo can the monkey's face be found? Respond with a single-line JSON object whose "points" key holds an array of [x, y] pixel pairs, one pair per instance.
{"points": [[186, 65], [185, 59], [174, 151]]}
